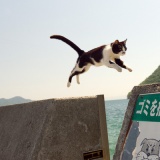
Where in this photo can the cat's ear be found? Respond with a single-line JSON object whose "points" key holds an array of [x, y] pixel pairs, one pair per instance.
{"points": [[116, 42], [125, 41]]}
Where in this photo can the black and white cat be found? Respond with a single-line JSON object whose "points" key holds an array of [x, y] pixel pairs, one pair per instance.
{"points": [[108, 55]]}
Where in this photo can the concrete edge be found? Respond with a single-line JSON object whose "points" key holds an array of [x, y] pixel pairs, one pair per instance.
{"points": [[103, 124]]}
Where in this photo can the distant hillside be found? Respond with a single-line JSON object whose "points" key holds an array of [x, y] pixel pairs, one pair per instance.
{"points": [[153, 78], [14, 100]]}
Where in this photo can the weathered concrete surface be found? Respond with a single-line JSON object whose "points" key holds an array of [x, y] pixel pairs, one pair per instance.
{"points": [[152, 88], [55, 129]]}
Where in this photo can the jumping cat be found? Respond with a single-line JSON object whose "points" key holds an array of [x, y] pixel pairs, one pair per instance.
{"points": [[108, 55]]}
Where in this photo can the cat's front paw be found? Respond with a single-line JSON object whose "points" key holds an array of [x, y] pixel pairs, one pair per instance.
{"points": [[68, 84], [119, 69], [129, 69]]}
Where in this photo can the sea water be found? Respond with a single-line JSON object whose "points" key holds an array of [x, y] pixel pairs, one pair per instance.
{"points": [[115, 110]]}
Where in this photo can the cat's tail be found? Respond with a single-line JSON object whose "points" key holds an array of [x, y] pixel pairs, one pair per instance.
{"points": [[70, 43]]}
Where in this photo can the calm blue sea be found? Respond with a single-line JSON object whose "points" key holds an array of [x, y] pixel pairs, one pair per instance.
{"points": [[115, 110]]}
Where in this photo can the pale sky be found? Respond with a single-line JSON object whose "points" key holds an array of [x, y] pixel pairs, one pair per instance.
{"points": [[35, 67]]}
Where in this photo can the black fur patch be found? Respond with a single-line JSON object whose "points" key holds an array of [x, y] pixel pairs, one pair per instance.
{"points": [[96, 53], [120, 63], [84, 60], [116, 48], [111, 62]]}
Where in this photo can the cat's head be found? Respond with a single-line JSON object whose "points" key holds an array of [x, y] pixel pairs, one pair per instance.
{"points": [[119, 47]]}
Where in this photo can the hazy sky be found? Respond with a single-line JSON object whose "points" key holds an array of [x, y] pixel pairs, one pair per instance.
{"points": [[36, 67]]}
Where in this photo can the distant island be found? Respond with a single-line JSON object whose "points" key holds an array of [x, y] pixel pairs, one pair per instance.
{"points": [[153, 78], [14, 100]]}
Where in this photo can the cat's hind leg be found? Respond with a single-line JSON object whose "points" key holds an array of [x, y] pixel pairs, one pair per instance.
{"points": [[86, 68], [73, 74], [77, 71], [77, 77]]}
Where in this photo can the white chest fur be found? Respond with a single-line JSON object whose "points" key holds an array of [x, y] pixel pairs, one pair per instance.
{"points": [[108, 54]]}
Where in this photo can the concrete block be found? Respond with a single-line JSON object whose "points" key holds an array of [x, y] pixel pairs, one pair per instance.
{"points": [[54, 129], [136, 91]]}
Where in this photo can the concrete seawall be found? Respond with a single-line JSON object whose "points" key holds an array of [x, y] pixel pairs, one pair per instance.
{"points": [[54, 129]]}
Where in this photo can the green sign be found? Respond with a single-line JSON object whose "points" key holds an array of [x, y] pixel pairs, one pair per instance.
{"points": [[147, 108]]}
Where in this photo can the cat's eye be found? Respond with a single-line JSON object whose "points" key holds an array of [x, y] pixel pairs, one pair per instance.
{"points": [[119, 46]]}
